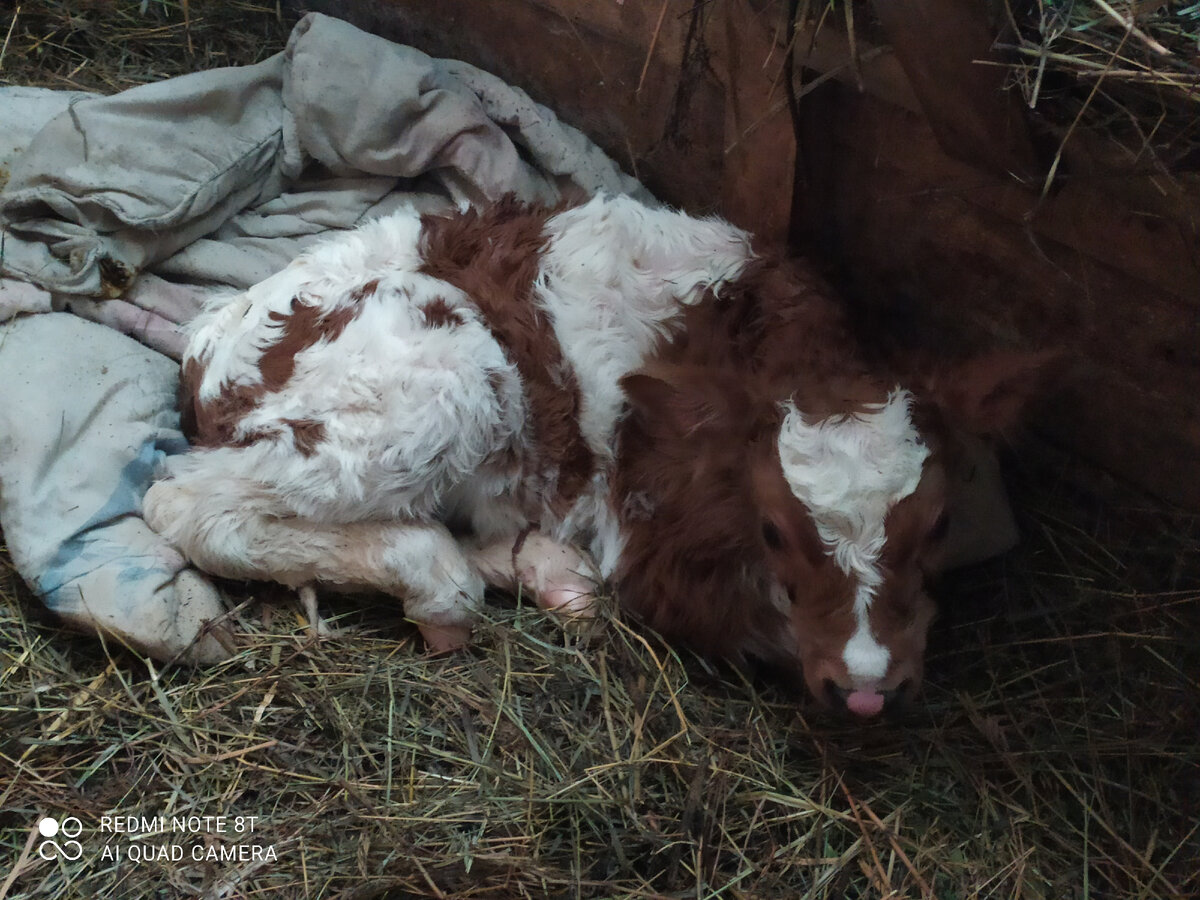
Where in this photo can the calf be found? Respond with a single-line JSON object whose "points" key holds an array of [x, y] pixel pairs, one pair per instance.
{"points": [[558, 398]]}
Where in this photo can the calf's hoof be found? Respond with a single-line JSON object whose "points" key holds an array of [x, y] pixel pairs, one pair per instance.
{"points": [[444, 638]]}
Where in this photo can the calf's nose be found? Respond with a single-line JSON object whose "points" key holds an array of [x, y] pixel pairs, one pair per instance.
{"points": [[865, 703]]}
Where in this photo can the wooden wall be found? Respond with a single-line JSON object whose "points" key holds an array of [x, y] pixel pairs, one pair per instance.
{"points": [[916, 177]]}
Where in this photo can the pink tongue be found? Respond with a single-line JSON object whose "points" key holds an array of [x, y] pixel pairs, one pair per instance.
{"points": [[862, 703]]}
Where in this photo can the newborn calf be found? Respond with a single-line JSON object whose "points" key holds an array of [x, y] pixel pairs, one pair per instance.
{"points": [[555, 398]]}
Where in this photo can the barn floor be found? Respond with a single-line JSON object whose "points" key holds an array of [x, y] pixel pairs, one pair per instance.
{"points": [[1054, 753]]}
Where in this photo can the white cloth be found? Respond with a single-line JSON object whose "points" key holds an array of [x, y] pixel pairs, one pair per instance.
{"points": [[86, 416]]}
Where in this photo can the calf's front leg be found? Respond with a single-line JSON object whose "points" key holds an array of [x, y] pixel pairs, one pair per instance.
{"points": [[236, 531]]}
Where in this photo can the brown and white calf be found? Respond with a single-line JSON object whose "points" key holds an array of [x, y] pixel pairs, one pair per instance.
{"points": [[606, 392]]}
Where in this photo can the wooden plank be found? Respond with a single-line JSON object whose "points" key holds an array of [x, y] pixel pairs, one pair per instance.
{"points": [[758, 140], [1107, 267], [660, 24], [825, 49], [939, 43], [1149, 230], [1146, 440], [930, 250]]}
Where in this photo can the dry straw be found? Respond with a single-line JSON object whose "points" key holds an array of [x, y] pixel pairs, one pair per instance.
{"points": [[1129, 71], [1054, 753]]}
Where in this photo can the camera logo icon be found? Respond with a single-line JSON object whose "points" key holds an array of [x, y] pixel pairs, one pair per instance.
{"points": [[69, 828]]}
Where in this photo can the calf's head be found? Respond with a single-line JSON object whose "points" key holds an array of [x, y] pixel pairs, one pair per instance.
{"points": [[853, 512], [759, 530]]}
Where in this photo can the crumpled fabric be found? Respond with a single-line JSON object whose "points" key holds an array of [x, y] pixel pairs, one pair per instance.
{"points": [[219, 179], [137, 209], [87, 415]]}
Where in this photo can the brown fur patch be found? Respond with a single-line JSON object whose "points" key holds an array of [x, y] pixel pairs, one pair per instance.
{"points": [[440, 314], [695, 567], [190, 377], [301, 328], [493, 256], [306, 434], [367, 290], [780, 324], [214, 423], [253, 437]]}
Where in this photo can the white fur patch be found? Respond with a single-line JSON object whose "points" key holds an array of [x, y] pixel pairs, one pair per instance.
{"points": [[865, 657], [615, 277], [850, 471]]}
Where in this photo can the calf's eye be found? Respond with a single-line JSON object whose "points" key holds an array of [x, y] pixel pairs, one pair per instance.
{"points": [[771, 536], [940, 527]]}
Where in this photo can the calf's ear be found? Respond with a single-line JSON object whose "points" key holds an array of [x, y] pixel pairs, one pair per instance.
{"points": [[987, 394], [651, 389], [688, 399]]}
